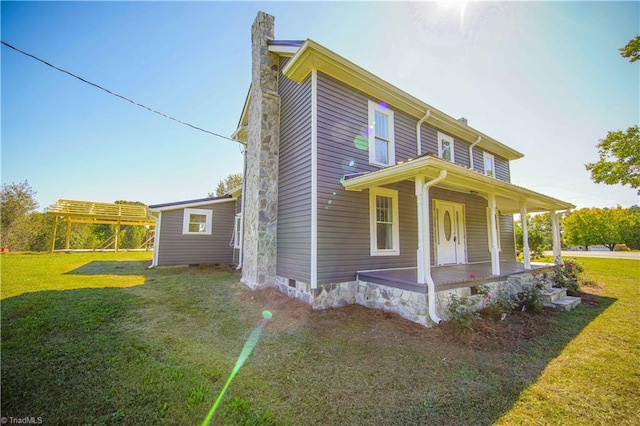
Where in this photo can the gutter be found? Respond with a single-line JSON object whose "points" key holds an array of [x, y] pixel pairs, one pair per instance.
{"points": [[431, 287], [418, 136], [243, 195], [471, 151]]}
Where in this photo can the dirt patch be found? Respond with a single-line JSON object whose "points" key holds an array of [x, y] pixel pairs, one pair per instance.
{"points": [[361, 324], [511, 334]]}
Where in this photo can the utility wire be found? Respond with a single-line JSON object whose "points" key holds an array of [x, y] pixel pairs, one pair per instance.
{"points": [[115, 94]]}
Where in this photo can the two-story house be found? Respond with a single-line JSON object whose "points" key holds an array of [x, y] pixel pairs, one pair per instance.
{"points": [[357, 192]]}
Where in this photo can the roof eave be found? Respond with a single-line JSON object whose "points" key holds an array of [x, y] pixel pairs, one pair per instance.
{"points": [[312, 55], [459, 179]]}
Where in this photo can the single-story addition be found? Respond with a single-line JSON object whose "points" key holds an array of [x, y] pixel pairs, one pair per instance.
{"points": [[357, 192], [205, 231]]}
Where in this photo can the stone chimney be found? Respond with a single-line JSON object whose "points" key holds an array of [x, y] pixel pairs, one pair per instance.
{"points": [[463, 121], [261, 187]]}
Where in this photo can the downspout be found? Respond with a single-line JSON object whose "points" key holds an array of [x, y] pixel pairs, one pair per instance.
{"points": [[431, 287], [471, 151], [418, 137], [244, 182]]}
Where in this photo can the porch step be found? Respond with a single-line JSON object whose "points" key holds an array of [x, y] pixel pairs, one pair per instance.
{"points": [[550, 295], [567, 303]]}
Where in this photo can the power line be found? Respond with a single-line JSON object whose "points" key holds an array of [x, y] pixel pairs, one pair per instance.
{"points": [[115, 94]]}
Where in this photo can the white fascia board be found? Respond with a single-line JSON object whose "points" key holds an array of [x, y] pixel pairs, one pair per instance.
{"points": [[190, 205], [286, 51]]}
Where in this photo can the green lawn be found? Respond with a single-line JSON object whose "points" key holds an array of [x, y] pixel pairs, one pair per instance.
{"points": [[96, 338]]}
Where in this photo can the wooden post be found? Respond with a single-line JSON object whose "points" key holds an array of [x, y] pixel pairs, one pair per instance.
{"points": [[115, 244], [68, 236], [53, 234]]}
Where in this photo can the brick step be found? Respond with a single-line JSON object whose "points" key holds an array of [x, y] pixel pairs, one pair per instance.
{"points": [[567, 303], [550, 295]]}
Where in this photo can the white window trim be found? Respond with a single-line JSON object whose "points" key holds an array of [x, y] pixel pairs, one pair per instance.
{"points": [[497, 228], [393, 194], [208, 222], [441, 137], [373, 108], [237, 231], [485, 156]]}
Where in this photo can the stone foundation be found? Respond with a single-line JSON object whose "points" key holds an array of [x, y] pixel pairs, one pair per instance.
{"points": [[410, 305]]}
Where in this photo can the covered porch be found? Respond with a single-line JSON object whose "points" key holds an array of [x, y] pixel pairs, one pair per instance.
{"points": [[449, 277], [502, 198]]}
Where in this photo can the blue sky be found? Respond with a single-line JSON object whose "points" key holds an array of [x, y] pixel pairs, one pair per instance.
{"points": [[543, 77]]}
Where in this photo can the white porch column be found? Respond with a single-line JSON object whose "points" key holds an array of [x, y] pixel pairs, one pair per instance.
{"points": [[495, 249], [526, 253], [421, 229], [555, 234]]}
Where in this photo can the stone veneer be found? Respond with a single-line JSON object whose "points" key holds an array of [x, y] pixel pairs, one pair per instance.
{"points": [[408, 304], [261, 178]]}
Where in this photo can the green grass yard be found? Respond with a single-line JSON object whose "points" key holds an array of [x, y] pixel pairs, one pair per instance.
{"points": [[96, 338]]}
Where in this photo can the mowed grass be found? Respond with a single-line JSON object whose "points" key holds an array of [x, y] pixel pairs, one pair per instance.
{"points": [[596, 378], [99, 339]]}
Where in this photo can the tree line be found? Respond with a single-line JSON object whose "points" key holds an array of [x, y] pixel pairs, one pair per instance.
{"points": [[582, 228]]}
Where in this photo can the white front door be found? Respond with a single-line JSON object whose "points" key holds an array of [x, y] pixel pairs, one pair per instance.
{"points": [[450, 235]]}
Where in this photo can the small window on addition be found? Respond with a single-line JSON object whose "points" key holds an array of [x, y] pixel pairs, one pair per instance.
{"points": [[292, 283], [197, 222]]}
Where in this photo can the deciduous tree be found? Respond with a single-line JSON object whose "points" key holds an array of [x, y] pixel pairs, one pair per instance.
{"points": [[608, 227], [631, 50], [229, 183], [17, 200], [619, 159]]}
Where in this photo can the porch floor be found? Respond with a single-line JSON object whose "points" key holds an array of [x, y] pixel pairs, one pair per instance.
{"points": [[447, 277]]}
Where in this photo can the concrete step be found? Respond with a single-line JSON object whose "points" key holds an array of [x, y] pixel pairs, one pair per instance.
{"points": [[550, 295], [567, 303]]}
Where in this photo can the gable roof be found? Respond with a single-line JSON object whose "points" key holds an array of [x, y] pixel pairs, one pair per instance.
{"points": [[311, 55]]}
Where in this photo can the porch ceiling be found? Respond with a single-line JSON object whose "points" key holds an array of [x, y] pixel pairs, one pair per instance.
{"points": [[460, 179]]}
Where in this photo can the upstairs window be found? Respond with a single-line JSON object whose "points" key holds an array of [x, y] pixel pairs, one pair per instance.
{"points": [[384, 223], [381, 138], [197, 222], [489, 164], [445, 147]]}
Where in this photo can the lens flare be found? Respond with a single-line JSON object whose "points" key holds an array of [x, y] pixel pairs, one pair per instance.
{"points": [[252, 341]]}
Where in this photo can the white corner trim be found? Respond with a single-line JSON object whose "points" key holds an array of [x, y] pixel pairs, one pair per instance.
{"points": [[156, 240], [314, 179]]}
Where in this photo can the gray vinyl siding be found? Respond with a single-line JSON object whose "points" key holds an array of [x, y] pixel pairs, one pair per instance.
{"points": [[429, 145], [507, 238], [294, 181], [179, 249], [343, 216]]}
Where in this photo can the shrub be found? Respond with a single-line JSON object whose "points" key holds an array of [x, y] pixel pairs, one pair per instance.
{"points": [[567, 276], [529, 299], [461, 314], [496, 306]]}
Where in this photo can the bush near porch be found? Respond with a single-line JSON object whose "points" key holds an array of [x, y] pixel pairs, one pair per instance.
{"points": [[98, 339]]}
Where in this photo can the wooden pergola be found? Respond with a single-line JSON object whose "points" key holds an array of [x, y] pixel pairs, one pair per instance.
{"points": [[72, 212]]}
